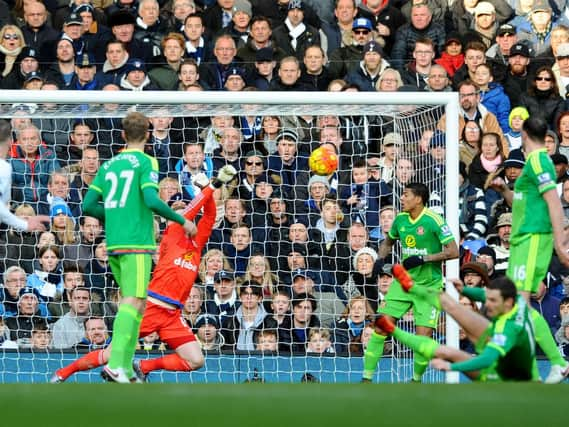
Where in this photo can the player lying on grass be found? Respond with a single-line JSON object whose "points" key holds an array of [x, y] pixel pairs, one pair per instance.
{"points": [[171, 283], [505, 344]]}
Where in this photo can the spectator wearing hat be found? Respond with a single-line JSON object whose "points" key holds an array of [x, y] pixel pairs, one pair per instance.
{"points": [[515, 79], [417, 71], [485, 24], [318, 188], [463, 14], [120, 6], [122, 24], [208, 333], [314, 73], [452, 57], [26, 62], [62, 70], [472, 208], [33, 81], [37, 33], [487, 255], [561, 166], [513, 166], [535, 28], [239, 330], [235, 80], [239, 26], [499, 52], [420, 26], [542, 97], [501, 245], [295, 35], [364, 276], [288, 76], [277, 12], [389, 150], [149, 28], [135, 77], [95, 34], [371, 66], [85, 71], [223, 301], [27, 318], [474, 274], [385, 18], [264, 66], [347, 58], [73, 30], [515, 121]]}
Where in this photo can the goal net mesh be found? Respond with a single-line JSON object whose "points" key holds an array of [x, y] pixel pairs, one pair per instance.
{"points": [[381, 148]]}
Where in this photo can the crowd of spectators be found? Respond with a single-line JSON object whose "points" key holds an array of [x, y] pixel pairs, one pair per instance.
{"points": [[292, 265]]}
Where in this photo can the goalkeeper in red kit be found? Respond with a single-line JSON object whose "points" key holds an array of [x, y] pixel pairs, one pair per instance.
{"points": [[172, 280]]}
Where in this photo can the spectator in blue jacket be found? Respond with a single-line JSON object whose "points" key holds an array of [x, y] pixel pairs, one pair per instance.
{"points": [[492, 95]]}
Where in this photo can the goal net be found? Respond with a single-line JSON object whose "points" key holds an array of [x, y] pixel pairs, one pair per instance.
{"points": [[272, 227]]}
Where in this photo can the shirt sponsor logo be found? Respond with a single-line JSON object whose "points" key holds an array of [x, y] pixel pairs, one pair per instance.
{"points": [[181, 262], [414, 251], [410, 241]]}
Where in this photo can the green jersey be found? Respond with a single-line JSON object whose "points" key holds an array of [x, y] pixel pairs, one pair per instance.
{"points": [[511, 334], [425, 235], [129, 223], [529, 210]]}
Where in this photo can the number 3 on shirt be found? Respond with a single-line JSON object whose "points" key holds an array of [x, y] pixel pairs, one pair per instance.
{"points": [[110, 201]]}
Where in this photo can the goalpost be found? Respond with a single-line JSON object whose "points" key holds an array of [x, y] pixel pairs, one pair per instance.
{"points": [[373, 115]]}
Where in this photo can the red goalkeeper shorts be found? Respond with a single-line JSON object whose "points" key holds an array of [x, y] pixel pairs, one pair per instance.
{"points": [[170, 325]]}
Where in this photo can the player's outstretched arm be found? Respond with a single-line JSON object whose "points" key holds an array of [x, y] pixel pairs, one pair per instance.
{"points": [[556, 215], [92, 206], [484, 360]]}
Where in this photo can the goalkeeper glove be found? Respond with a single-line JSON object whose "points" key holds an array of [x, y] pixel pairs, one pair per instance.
{"points": [[225, 174], [413, 261]]}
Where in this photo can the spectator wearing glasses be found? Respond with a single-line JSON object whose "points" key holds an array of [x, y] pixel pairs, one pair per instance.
{"points": [[385, 19], [11, 44], [347, 58], [542, 98]]}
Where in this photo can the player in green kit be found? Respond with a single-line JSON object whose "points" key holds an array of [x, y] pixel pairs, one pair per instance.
{"points": [[426, 242], [127, 185], [505, 345], [537, 228]]}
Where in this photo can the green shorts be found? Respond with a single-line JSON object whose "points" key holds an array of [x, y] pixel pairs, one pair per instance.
{"points": [[398, 302], [132, 273], [529, 261]]}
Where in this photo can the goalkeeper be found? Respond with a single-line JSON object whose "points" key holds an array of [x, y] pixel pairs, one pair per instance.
{"points": [[128, 186], [171, 283], [505, 344], [426, 242]]}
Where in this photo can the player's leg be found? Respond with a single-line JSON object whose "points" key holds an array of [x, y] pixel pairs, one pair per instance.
{"points": [[473, 323], [396, 305], [134, 271], [176, 333], [91, 360], [527, 267]]}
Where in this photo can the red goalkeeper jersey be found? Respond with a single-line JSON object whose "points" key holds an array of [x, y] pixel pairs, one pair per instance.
{"points": [[180, 255]]}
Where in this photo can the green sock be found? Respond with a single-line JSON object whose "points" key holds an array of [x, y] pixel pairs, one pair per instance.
{"points": [[131, 349], [424, 345], [545, 340], [373, 353], [420, 364], [428, 294], [124, 327]]}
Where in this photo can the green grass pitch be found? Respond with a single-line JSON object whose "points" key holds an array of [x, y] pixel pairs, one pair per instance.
{"points": [[291, 405]]}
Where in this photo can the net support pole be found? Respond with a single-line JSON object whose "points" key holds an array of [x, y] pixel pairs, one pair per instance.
{"points": [[452, 191]]}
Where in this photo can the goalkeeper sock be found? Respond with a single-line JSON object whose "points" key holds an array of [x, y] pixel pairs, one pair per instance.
{"points": [[170, 362], [545, 340], [89, 361], [425, 346], [125, 328], [133, 343], [373, 353], [420, 364]]}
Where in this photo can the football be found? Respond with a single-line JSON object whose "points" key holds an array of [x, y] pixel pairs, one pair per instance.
{"points": [[323, 161]]}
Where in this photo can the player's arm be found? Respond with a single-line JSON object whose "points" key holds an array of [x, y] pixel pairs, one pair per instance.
{"points": [[556, 214], [484, 360], [450, 251], [92, 205]]}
